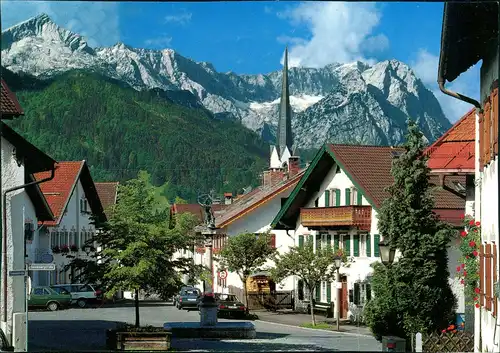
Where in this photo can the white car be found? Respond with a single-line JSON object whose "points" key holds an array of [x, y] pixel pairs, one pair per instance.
{"points": [[81, 294]]}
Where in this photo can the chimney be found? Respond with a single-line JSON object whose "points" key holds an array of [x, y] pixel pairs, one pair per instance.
{"points": [[273, 177], [293, 166], [228, 198]]}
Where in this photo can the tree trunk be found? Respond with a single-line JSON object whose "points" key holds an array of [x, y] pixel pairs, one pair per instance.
{"points": [[311, 300], [245, 292], [136, 302]]}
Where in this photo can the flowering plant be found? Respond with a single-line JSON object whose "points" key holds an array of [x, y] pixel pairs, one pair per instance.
{"points": [[64, 249], [452, 328], [468, 268]]}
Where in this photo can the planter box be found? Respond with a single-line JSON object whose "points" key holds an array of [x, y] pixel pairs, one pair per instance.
{"points": [[149, 341]]}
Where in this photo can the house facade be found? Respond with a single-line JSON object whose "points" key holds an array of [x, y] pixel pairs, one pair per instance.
{"points": [[23, 207], [336, 203], [73, 198], [470, 34]]}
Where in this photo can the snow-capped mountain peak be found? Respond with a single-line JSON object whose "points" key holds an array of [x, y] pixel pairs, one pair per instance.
{"points": [[352, 102]]}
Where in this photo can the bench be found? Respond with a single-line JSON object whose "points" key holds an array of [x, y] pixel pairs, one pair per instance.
{"points": [[327, 308]]}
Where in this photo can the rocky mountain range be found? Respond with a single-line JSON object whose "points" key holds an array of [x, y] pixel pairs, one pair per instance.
{"points": [[339, 103]]}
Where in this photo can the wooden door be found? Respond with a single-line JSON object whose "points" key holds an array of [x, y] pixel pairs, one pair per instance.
{"points": [[344, 305]]}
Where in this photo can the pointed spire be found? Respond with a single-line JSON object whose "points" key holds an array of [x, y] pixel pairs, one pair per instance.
{"points": [[284, 138]]}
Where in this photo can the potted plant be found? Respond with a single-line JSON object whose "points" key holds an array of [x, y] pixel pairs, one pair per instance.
{"points": [[56, 249], [64, 249], [73, 248]]}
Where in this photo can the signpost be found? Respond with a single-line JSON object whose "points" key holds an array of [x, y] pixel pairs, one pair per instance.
{"points": [[223, 274], [15, 273], [42, 267]]}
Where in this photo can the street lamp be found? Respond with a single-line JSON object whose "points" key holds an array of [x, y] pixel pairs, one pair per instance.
{"points": [[337, 260], [387, 253]]}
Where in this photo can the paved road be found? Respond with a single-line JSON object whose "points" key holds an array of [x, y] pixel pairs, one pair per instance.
{"points": [[84, 329]]}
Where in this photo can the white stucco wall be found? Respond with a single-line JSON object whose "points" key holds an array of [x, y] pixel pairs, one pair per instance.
{"points": [[72, 220], [19, 208]]}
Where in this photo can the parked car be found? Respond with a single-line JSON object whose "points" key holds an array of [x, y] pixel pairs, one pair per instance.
{"points": [[230, 305], [81, 294], [46, 297], [188, 298]]}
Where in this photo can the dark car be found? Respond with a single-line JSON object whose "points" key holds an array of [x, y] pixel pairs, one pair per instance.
{"points": [[230, 305], [188, 298]]}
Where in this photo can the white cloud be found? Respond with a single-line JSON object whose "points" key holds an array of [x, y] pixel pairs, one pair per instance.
{"points": [[339, 32], [425, 66], [181, 18], [99, 22], [160, 42]]}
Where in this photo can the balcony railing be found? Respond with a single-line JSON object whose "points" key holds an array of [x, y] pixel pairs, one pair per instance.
{"points": [[341, 216]]}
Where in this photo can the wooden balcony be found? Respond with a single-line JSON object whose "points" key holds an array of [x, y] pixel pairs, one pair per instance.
{"points": [[337, 217]]}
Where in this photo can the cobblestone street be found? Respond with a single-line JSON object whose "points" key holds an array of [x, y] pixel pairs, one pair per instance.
{"points": [[84, 329]]}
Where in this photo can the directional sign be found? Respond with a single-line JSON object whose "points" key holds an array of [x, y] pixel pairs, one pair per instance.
{"points": [[17, 273], [42, 267]]}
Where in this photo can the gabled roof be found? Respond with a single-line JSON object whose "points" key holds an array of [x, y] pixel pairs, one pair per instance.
{"points": [[59, 190], [108, 192], [369, 169], [9, 105], [254, 199], [42, 208], [455, 149]]}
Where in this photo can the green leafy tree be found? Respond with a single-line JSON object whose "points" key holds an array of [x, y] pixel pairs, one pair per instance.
{"points": [[244, 254], [413, 295], [135, 247], [311, 266]]}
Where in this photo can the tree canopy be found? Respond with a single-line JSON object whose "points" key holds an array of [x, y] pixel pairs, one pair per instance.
{"points": [[413, 295]]}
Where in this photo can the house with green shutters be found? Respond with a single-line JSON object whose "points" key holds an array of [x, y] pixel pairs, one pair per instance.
{"points": [[335, 202]]}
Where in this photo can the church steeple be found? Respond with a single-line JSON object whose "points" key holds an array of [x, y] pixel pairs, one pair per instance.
{"points": [[284, 138]]}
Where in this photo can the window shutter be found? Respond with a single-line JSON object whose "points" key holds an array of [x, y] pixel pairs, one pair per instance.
{"points": [[300, 286], [327, 198], [336, 241], [328, 292], [368, 245], [481, 275], [486, 135], [495, 299], [359, 200], [337, 197], [329, 240], [356, 244], [347, 244], [368, 292], [318, 241], [351, 296], [357, 294], [481, 140], [301, 241], [376, 240], [488, 276], [347, 196], [318, 292]]}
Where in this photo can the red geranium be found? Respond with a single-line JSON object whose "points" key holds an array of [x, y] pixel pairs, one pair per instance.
{"points": [[478, 224], [465, 273], [471, 223], [458, 268], [477, 290], [463, 234], [472, 243], [474, 253]]}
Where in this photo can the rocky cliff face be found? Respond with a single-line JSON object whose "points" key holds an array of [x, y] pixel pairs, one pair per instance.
{"points": [[339, 103]]}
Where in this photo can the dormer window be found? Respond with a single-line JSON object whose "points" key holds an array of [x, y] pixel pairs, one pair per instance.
{"points": [[84, 205]]}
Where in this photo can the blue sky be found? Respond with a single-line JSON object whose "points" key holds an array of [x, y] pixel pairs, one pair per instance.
{"points": [[249, 37]]}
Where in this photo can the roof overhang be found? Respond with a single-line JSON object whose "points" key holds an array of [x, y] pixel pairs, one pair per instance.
{"points": [[91, 194], [453, 171], [42, 208], [467, 26], [33, 159]]}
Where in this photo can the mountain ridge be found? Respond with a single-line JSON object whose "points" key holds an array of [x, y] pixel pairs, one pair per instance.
{"points": [[375, 100]]}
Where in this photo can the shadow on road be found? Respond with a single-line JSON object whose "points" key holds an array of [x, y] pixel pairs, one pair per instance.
{"points": [[125, 304], [260, 345], [68, 335]]}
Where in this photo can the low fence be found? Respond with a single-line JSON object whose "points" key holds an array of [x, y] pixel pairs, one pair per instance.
{"points": [[459, 341], [270, 301]]}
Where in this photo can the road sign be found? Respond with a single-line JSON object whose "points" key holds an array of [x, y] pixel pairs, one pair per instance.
{"points": [[17, 273], [47, 258], [42, 267], [223, 274]]}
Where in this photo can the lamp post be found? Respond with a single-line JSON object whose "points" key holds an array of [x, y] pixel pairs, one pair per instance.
{"points": [[387, 253], [338, 262]]}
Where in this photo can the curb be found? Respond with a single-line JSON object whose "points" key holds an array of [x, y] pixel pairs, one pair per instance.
{"points": [[316, 329]]}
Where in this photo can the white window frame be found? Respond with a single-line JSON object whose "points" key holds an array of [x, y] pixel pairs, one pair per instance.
{"points": [[362, 244], [354, 196]]}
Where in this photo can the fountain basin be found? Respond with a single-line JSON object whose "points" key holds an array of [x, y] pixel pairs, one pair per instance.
{"points": [[223, 330]]}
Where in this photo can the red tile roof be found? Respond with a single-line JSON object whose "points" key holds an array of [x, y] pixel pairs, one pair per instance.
{"points": [[9, 105], [455, 149], [107, 192], [58, 191], [254, 199]]}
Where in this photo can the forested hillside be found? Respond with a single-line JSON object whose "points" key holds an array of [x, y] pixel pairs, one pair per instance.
{"points": [[120, 131]]}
